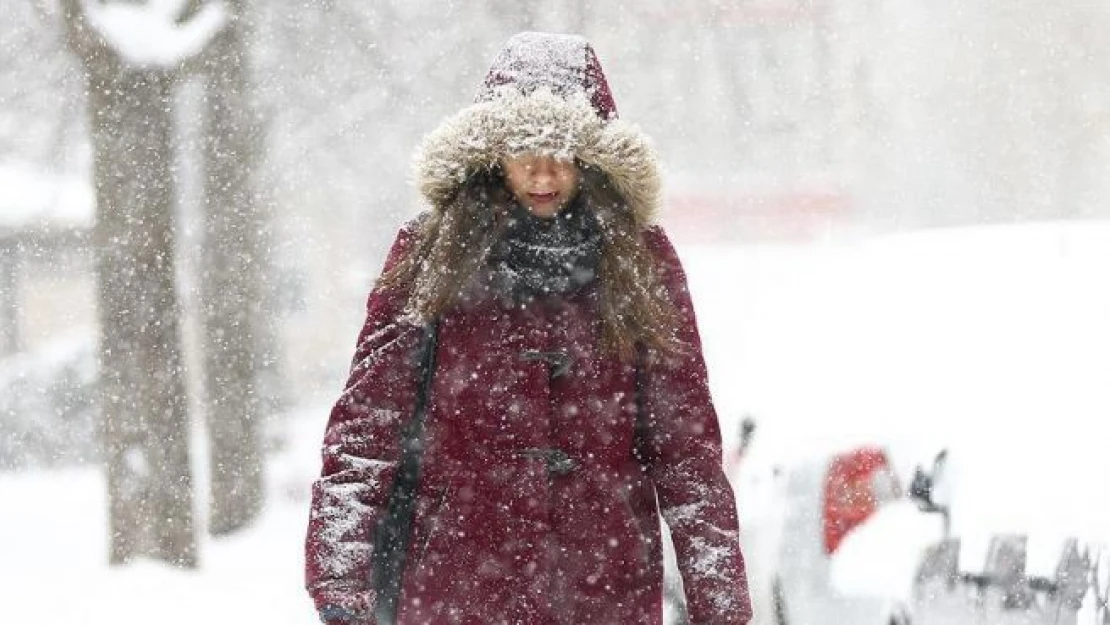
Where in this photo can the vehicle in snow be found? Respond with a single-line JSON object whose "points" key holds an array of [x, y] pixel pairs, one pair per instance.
{"points": [[823, 499]]}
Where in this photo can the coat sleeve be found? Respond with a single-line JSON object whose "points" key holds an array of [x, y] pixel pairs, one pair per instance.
{"points": [[683, 445], [360, 454]]}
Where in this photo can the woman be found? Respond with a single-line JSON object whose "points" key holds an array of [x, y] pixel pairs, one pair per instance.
{"points": [[538, 328]]}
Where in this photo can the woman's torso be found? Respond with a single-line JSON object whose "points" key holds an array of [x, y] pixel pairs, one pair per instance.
{"points": [[530, 488]]}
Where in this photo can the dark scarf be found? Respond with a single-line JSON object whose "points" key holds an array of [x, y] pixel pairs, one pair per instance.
{"points": [[538, 257]]}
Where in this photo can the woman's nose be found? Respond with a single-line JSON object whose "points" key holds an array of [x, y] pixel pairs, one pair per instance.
{"points": [[544, 168]]}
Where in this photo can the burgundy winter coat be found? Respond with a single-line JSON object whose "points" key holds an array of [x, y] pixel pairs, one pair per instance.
{"points": [[498, 538]]}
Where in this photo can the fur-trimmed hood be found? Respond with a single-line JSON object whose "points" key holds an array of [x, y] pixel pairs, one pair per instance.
{"points": [[544, 94]]}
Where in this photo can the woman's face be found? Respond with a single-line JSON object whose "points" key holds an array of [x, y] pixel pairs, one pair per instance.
{"points": [[542, 184]]}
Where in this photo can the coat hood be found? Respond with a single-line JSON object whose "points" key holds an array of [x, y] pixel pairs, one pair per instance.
{"points": [[544, 94]]}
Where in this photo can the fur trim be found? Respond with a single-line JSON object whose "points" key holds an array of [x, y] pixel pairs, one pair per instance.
{"points": [[479, 136]]}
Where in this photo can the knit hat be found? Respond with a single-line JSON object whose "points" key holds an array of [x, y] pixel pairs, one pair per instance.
{"points": [[544, 94]]}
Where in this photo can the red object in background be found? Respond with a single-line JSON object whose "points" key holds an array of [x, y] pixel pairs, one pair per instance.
{"points": [[856, 484], [795, 214]]}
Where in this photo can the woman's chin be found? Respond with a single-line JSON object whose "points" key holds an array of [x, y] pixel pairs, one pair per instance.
{"points": [[544, 211]]}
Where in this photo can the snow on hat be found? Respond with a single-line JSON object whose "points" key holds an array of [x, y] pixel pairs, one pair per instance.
{"points": [[544, 94], [562, 64]]}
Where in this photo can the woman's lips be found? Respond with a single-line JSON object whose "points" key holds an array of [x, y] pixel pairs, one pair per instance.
{"points": [[544, 198]]}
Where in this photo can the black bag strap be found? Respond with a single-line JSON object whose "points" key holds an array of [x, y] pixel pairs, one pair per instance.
{"points": [[394, 531], [640, 444]]}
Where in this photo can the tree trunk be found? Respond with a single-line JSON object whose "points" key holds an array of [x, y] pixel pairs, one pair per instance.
{"points": [[239, 355], [143, 403]]}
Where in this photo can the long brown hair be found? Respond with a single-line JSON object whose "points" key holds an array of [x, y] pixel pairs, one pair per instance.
{"points": [[453, 242]]}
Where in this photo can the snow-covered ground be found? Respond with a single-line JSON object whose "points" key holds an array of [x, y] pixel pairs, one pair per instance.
{"points": [[53, 555], [989, 340]]}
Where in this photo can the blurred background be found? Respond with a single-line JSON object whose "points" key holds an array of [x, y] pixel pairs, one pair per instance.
{"points": [[886, 207]]}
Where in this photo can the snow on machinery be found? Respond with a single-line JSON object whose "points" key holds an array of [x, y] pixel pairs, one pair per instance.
{"points": [[1003, 577]]}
